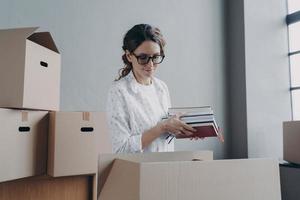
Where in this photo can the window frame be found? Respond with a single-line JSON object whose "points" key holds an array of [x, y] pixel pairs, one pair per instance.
{"points": [[291, 19]]}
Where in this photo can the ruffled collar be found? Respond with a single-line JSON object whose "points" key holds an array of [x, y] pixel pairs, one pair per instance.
{"points": [[137, 87]]}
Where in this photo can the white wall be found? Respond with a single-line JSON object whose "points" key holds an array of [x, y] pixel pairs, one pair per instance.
{"points": [[89, 37], [259, 75], [267, 80]]}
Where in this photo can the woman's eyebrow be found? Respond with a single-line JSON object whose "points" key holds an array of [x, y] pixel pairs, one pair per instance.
{"points": [[145, 54]]}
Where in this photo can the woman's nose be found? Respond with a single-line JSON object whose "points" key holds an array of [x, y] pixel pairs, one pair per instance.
{"points": [[150, 63]]}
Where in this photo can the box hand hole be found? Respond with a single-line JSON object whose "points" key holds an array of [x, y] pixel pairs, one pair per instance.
{"points": [[87, 129], [24, 129], [44, 64]]}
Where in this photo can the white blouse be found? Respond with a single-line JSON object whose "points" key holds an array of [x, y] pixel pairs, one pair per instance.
{"points": [[132, 109]]}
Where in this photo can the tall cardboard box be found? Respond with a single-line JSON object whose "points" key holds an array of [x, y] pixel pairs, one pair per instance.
{"points": [[193, 180], [105, 161], [291, 141], [73, 143], [23, 149], [30, 67]]}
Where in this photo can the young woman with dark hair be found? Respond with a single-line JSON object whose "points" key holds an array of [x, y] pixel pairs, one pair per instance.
{"points": [[137, 100]]}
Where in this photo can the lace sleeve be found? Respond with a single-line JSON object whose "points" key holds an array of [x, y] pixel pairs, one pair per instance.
{"points": [[123, 140]]}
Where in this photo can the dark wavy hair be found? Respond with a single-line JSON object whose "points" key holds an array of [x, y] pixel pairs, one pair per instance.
{"points": [[134, 38]]}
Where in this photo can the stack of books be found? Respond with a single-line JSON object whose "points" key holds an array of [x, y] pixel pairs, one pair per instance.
{"points": [[200, 118]]}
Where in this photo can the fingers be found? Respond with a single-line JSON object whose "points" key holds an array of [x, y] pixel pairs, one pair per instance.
{"points": [[178, 115], [187, 132], [179, 123], [178, 127], [188, 127]]}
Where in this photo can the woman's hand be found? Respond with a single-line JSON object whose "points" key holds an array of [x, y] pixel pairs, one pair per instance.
{"points": [[176, 126]]}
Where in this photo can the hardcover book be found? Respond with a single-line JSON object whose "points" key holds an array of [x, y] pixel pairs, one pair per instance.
{"points": [[200, 118]]}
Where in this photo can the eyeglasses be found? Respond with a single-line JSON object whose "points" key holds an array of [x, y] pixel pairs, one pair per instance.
{"points": [[144, 59]]}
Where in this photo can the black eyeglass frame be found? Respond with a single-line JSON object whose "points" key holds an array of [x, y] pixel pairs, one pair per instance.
{"points": [[138, 57]]}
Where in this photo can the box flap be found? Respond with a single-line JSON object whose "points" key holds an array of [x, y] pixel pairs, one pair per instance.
{"points": [[17, 32], [44, 39], [124, 177]]}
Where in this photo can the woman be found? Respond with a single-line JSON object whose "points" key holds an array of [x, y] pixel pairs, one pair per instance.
{"points": [[137, 101]]}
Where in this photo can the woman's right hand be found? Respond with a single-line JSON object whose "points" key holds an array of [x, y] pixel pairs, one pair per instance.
{"points": [[176, 126]]}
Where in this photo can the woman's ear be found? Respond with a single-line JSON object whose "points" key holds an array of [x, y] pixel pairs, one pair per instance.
{"points": [[128, 56]]}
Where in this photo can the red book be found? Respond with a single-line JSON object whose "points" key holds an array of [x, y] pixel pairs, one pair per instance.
{"points": [[204, 130]]}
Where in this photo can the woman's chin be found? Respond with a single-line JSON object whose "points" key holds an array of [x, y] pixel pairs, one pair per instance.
{"points": [[149, 73]]}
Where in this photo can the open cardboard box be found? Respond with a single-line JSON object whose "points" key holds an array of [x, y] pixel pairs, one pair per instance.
{"points": [[241, 179], [30, 66], [23, 149]]}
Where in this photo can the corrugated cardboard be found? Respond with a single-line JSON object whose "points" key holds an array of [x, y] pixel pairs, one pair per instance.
{"points": [[23, 149], [290, 181], [193, 180], [105, 161], [49, 188], [29, 70], [104, 145], [73, 143], [291, 141]]}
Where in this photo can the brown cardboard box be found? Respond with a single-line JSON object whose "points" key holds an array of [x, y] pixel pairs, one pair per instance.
{"points": [[29, 70], [218, 179], [23, 149], [50, 188], [291, 141], [105, 161], [73, 143]]}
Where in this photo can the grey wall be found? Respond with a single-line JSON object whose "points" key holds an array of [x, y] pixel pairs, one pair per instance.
{"points": [[89, 36], [260, 96]]}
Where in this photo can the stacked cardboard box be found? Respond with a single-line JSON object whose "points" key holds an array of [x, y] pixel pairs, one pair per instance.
{"points": [[29, 87], [29, 70], [33, 130], [75, 138]]}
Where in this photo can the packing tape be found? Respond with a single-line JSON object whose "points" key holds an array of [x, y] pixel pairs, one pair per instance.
{"points": [[86, 116], [24, 116]]}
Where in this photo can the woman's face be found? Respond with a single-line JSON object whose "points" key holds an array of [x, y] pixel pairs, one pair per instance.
{"points": [[144, 72]]}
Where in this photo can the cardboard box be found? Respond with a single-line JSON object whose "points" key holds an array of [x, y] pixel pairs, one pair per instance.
{"points": [[23, 149], [50, 188], [29, 70], [290, 181], [105, 161], [291, 141], [192, 180], [73, 143]]}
